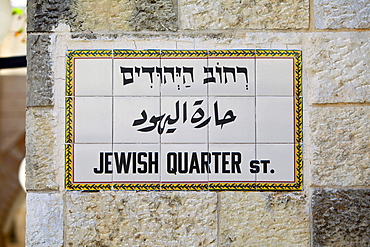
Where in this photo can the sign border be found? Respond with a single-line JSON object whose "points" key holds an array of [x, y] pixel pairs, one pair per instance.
{"points": [[212, 186]]}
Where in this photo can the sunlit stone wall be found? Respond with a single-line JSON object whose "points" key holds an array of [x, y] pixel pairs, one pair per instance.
{"points": [[334, 207]]}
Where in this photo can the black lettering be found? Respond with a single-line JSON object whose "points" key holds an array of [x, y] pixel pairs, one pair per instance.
{"points": [[229, 70], [144, 169], [254, 168], [236, 159], [188, 70], [122, 162], [205, 160], [265, 163], [211, 78], [101, 164], [171, 167], [134, 162], [108, 162], [129, 70], [194, 164], [153, 162], [225, 162], [216, 155], [150, 71], [183, 166]]}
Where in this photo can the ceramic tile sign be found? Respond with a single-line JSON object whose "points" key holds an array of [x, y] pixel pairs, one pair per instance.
{"points": [[183, 120]]}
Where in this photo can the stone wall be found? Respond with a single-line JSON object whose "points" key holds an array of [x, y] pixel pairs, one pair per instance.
{"points": [[334, 207]]}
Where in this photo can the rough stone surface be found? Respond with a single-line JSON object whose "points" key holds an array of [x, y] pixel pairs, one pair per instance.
{"points": [[43, 15], [41, 169], [106, 15], [39, 71], [339, 152], [337, 66], [44, 220], [263, 219], [125, 15], [245, 14], [155, 15], [336, 14], [103, 15], [341, 217], [141, 219]]}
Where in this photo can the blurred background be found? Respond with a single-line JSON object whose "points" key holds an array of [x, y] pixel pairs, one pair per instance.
{"points": [[12, 122]]}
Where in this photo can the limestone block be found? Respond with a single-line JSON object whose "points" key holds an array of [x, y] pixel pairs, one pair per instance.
{"points": [[41, 170], [340, 144], [39, 71], [245, 14], [337, 66], [125, 15], [103, 15], [43, 15], [44, 220], [341, 217], [158, 15], [336, 14], [264, 219], [141, 219]]}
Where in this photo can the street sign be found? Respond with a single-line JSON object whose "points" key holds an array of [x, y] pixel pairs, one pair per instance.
{"points": [[183, 120]]}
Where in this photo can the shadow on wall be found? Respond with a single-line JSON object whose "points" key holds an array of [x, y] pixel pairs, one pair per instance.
{"points": [[12, 151]]}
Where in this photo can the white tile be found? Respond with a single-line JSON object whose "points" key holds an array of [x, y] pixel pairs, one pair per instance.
{"points": [[182, 163], [132, 119], [233, 76], [93, 76], [230, 163], [136, 163], [276, 162], [233, 120], [190, 121], [275, 76], [136, 76], [275, 119], [183, 76], [92, 163], [93, 120]]}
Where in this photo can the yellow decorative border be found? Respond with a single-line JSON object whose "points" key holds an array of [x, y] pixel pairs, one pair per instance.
{"points": [[71, 54], [232, 186], [69, 120], [136, 53], [184, 186], [232, 53], [296, 54], [90, 53], [69, 184], [69, 111], [184, 53], [137, 186]]}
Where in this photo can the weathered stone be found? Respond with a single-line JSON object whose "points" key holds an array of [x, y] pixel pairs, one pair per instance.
{"points": [[263, 219], [103, 15], [41, 170], [95, 16], [339, 149], [44, 219], [341, 217], [125, 15], [141, 219], [336, 14], [246, 14], [45, 15], [337, 66], [39, 71], [155, 15]]}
